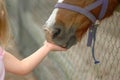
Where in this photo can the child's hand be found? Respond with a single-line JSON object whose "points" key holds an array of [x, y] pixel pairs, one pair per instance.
{"points": [[53, 47]]}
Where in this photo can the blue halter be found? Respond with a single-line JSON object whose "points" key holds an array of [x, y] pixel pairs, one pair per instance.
{"points": [[86, 11]]}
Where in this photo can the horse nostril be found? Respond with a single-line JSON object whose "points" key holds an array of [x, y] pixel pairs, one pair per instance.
{"points": [[56, 32]]}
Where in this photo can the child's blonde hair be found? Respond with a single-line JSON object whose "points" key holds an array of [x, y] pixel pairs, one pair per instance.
{"points": [[4, 32]]}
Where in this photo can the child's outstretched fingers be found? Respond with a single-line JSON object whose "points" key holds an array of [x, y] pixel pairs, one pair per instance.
{"points": [[60, 48], [54, 47]]}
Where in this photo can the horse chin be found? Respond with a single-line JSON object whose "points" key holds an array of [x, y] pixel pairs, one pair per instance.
{"points": [[66, 43], [72, 41], [63, 42]]}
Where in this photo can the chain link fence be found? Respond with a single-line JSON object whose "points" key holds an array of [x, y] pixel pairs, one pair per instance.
{"points": [[27, 17]]}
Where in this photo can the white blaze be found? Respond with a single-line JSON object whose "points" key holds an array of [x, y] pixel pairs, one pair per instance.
{"points": [[52, 19], [60, 1]]}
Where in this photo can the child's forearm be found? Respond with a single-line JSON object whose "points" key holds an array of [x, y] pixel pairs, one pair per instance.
{"points": [[33, 60], [26, 65], [22, 67]]}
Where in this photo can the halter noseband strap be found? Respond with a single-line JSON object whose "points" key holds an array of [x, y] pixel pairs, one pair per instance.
{"points": [[86, 11]]}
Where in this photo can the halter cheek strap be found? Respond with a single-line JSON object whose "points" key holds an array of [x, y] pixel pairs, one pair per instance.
{"points": [[86, 11]]}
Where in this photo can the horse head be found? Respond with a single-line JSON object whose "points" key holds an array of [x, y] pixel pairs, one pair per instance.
{"points": [[65, 27]]}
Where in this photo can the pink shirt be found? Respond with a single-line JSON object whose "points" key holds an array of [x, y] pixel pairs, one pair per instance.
{"points": [[2, 69]]}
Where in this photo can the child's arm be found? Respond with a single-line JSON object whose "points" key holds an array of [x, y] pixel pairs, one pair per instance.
{"points": [[22, 67]]}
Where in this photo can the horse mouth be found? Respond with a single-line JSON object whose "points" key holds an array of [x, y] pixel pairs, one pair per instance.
{"points": [[62, 42], [72, 41], [60, 38]]}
